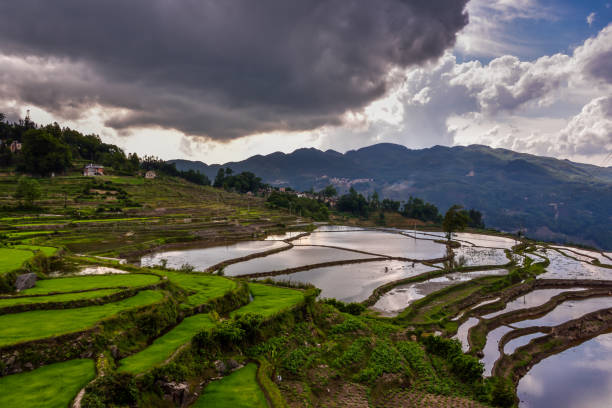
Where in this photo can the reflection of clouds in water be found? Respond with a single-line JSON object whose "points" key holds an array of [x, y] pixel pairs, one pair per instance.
{"points": [[597, 355], [532, 386], [600, 399], [605, 341]]}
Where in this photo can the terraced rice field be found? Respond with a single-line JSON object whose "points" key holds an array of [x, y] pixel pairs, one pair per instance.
{"points": [[51, 386], [204, 287], [40, 324], [11, 259], [94, 294], [269, 300], [237, 390], [46, 250], [163, 347], [81, 283]]}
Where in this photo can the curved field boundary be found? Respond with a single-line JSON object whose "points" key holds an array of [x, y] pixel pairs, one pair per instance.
{"points": [[54, 385], [39, 324], [594, 261], [342, 249], [478, 333], [561, 337], [98, 299], [269, 388], [308, 267], [227, 262], [75, 284], [85, 343], [381, 290], [288, 240], [170, 343]]}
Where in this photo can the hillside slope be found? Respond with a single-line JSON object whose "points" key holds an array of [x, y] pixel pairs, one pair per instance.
{"points": [[552, 199]]}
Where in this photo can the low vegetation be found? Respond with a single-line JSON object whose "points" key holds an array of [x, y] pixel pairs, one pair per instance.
{"points": [[237, 390], [52, 386]]}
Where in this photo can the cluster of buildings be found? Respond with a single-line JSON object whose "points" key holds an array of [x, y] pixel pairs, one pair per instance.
{"points": [[92, 170]]}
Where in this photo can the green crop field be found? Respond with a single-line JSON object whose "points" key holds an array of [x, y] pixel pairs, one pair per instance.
{"points": [[51, 386], [40, 324], [73, 284], [206, 287], [57, 298], [268, 300], [11, 259], [237, 390], [47, 250], [163, 347]]}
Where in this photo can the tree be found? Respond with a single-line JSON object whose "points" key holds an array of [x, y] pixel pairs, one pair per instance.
{"points": [[28, 190], [329, 191], [454, 220], [43, 153], [219, 178]]}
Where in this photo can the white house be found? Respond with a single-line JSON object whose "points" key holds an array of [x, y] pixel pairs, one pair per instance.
{"points": [[150, 174], [15, 146], [93, 170]]}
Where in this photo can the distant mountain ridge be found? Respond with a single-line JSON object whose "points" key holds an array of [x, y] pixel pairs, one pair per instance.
{"points": [[553, 199]]}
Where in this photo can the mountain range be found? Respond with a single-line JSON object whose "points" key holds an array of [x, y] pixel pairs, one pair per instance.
{"points": [[549, 199]]}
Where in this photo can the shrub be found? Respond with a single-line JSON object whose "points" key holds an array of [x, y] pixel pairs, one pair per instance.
{"points": [[351, 308], [350, 324]]}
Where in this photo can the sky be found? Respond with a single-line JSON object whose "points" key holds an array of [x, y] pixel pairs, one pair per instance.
{"points": [[222, 80]]}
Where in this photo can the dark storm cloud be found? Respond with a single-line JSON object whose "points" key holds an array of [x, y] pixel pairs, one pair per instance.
{"points": [[224, 68]]}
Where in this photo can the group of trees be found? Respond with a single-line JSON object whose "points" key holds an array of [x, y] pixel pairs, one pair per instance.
{"points": [[303, 206], [456, 217], [241, 183]]}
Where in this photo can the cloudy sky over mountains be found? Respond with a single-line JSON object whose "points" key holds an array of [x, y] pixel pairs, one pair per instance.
{"points": [[222, 80]]}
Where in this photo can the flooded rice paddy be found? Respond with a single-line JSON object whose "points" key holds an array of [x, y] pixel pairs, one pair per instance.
{"points": [[532, 299], [378, 242], [566, 311], [355, 282], [399, 298], [578, 377], [295, 257], [203, 258]]}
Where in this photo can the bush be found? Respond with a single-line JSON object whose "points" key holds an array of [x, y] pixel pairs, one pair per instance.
{"points": [[350, 324], [352, 308], [113, 389]]}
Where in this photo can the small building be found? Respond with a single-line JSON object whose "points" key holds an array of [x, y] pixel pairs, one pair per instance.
{"points": [[93, 170], [150, 174], [15, 146]]}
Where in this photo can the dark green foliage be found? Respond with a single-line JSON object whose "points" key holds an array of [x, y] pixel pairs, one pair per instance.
{"points": [[329, 191], [298, 359], [350, 324], [354, 203], [42, 153], [118, 389], [241, 183], [417, 360], [28, 190], [502, 392], [454, 220], [303, 206], [421, 210], [353, 354], [384, 359], [466, 367], [351, 308]]}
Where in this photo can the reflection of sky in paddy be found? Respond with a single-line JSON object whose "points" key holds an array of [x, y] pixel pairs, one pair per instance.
{"points": [[563, 267], [531, 299], [355, 282], [463, 331], [202, 258], [566, 311], [491, 349], [292, 258], [485, 240], [578, 377], [513, 344], [476, 256], [378, 242], [397, 299], [286, 235]]}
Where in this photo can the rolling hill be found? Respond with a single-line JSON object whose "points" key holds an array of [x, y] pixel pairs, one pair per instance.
{"points": [[552, 199]]}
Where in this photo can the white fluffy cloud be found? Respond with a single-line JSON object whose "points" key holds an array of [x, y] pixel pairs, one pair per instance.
{"points": [[556, 105]]}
